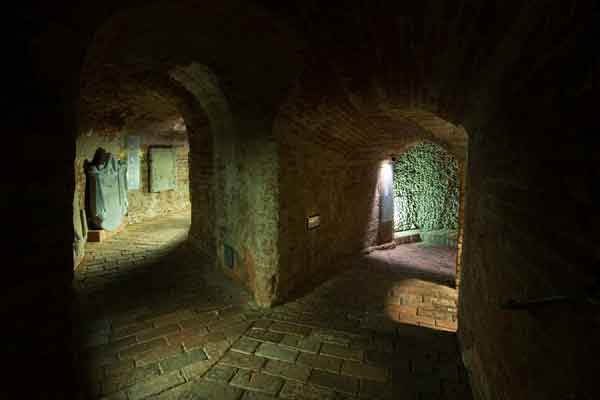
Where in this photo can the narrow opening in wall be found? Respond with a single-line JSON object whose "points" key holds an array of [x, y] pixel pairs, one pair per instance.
{"points": [[426, 217], [420, 203]]}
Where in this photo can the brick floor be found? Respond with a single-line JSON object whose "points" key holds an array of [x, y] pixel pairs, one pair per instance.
{"points": [[154, 324]]}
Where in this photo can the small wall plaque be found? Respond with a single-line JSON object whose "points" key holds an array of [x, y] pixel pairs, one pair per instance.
{"points": [[163, 169], [312, 222]]}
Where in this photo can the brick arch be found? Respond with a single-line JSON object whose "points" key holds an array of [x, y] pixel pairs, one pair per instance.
{"points": [[237, 161]]}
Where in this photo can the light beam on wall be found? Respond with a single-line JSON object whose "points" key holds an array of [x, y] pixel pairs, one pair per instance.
{"points": [[386, 174]]}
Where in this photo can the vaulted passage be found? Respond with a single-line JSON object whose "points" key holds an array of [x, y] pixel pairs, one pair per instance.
{"points": [[371, 201]]}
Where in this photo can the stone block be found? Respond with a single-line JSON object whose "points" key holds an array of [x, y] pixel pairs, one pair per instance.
{"points": [[197, 341], [202, 389], [346, 353], [243, 361], [276, 352], [220, 373], [264, 336], [157, 332], [257, 396], [180, 361], [320, 362], [153, 386], [364, 371], [290, 329], [245, 345], [256, 381], [301, 391], [262, 324], [140, 348], [295, 372], [307, 345], [338, 383]]}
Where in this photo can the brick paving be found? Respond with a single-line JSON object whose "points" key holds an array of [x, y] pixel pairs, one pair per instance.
{"points": [[154, 325]]}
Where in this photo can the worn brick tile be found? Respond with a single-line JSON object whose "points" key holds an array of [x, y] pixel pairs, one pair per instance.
{"points": [[119, 367], [264, 336], [235, 312], [199, 321], [257, 396], [231, 330], [174, 317], [256, 381], [276, 352], [426, 321], [201, 389], [300, 391], [290, 329], [364, 371], [137, 349], [180, 336], [262, 324], [154, 385], [402, 309], [181, 360], [347, 353], [202, 340], [220, 373], [244, 361], [113, 347], [295, 372], [115, 396], [121, 381], [157, 354], [157, 332], [339, 383], [332, 337], [450, 326], [386, 391], [407, 319], [197, 369], [245, 345], [319, 362], [307, 345]]}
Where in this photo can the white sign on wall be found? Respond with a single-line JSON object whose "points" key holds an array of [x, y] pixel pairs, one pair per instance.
{"points": [[133, 162]]}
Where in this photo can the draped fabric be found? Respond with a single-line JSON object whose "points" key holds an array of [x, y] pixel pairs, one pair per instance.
{"points": [[108, 193]]}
